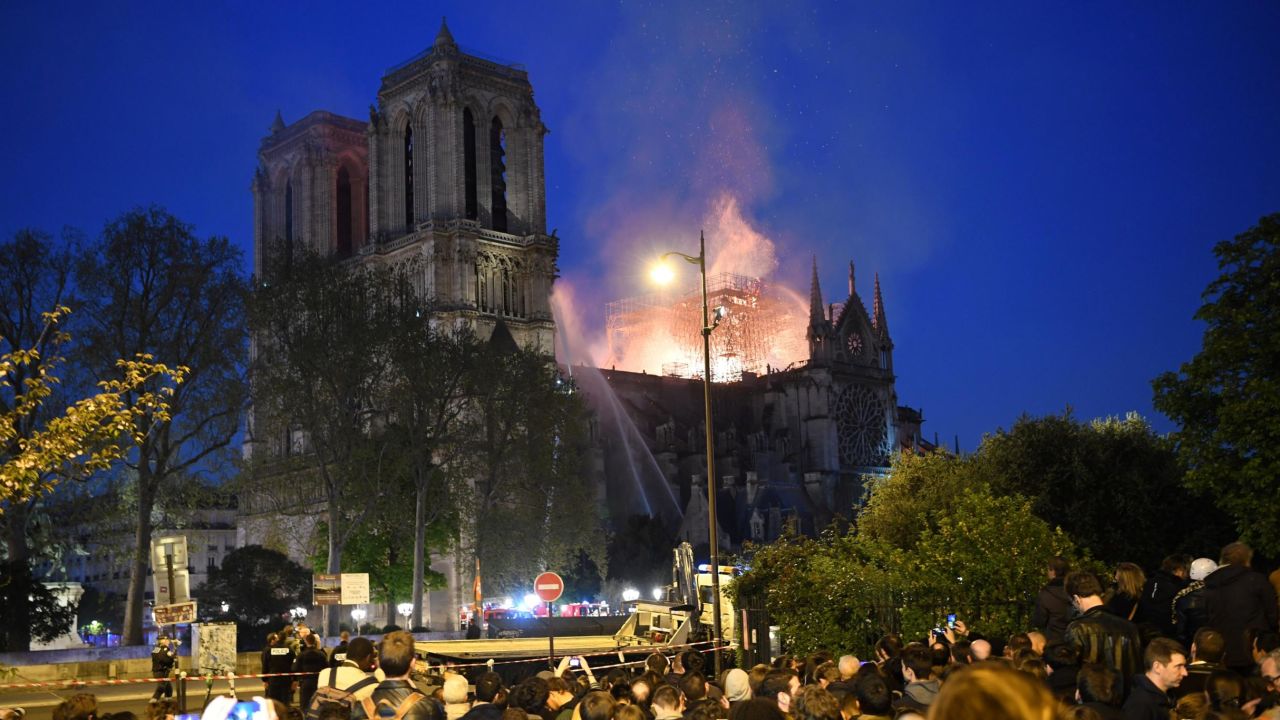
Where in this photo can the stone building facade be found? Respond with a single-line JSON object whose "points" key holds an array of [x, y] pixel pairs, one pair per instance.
{"points": [[794, 445], [445, 180]]}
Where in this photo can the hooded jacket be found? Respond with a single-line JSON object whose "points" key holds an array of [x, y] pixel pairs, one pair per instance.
{"points": [[1239, 599]]}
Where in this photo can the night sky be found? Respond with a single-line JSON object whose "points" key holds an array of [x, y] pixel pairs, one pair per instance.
{"points": [[1039, 185]]}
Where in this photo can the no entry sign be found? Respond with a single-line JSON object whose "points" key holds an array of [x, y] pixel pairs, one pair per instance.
{"points": [[548, 587]]}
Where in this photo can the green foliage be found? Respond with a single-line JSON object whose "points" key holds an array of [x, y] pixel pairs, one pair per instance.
{"points": [[260, 586], [1112, 484], [533, 507], [1227, 398], [384, 551], [47, 617], [933, 539]]}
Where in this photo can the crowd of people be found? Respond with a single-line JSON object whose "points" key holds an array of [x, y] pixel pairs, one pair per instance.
{"points": [[1197, 640]]}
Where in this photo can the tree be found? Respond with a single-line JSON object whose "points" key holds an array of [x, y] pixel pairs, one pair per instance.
{"points": [[1226, 400], [532, 507], [1112, 484], [259, 587], [151, 286], [933, 538], [38, 444], [427, 398], [323, 333]]}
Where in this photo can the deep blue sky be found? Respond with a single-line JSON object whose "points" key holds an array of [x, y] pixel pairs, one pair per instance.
{"points": [[1039, 185]]}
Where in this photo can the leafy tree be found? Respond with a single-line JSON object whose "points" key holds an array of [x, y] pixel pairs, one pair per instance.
{"points": [[532, 507], [323, 333], [259, 587], [46, 617], [40, 444], [381, 548], [1112, 484], [933, 538], [149, 285], [433, 378], [1226, 399]]}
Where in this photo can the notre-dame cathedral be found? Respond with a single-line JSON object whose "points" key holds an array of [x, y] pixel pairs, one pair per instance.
{"points": [[446, 177]]}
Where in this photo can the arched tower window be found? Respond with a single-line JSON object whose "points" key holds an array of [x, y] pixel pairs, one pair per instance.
{"points": [[498, 174], [344, 212], [408, 177], [469, 163]]}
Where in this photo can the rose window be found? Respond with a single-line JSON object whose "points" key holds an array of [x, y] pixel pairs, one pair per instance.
{"points": [[860, 419]]}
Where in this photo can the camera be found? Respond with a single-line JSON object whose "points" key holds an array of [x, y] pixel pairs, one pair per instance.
{"points": [[951, 621], [575, 662]]}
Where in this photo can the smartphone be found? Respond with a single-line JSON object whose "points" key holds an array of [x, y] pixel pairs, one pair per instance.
{"points": [[951, 621], [575, 662]]}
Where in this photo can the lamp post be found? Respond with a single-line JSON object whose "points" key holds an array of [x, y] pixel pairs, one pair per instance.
{"points": [[663, 275]]}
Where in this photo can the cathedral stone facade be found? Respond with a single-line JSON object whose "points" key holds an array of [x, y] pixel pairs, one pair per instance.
{"points": [[444, 180], [793, 446]]}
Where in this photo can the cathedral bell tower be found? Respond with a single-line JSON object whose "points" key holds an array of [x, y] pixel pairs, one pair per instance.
{"points": [[444, 181]]}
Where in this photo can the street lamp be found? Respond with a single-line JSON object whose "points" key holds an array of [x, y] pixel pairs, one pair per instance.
{"points": [[406, 609], [663, 274], [358, 615], [298, 613]]}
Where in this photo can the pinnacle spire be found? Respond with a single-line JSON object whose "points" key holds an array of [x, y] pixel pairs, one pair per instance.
{"points": [[444, 38], [852, 290], [877, 311], [278, 124], [816, 315]]}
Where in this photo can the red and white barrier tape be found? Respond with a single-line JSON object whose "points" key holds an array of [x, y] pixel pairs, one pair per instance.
{"points": [[73, 683]]}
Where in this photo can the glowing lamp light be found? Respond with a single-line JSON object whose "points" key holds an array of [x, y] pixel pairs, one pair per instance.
{"points": [[657, 593], [630, 595], [406, 609], [661, 273], [530, 601], [359, 614]]}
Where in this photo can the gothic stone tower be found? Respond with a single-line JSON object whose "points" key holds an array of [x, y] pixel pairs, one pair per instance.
{"points": [[445, 180]]}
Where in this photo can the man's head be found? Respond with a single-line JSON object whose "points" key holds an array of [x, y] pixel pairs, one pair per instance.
{"points": [[344, 637], [1269, 669], [395, 654], [668, 699], [1018, 641], [873, 694], [81, 706], [692, 661], [360, 652], [596, 705], [488, 687], [917, 663], [1237, 553], [530, 696], [981, 649], [1264, 641], [1176, 565], [657, 663], [303, 630], [1095, 683], [848, 666], [455, 689], [815, 703], [164, 641], [1208, 646], [694, 686], [1061, 655], [780, 686], [1058, 567], [1084, 590], [1165, 662], [888, 646]]}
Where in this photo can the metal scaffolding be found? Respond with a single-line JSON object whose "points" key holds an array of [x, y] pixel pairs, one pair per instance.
{"points": [[763, 329]]}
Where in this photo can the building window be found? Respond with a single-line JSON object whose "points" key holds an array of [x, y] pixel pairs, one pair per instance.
{"points": [[344, 212], [469, 163], [408, 177], [210, 563], [498, 174]]}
